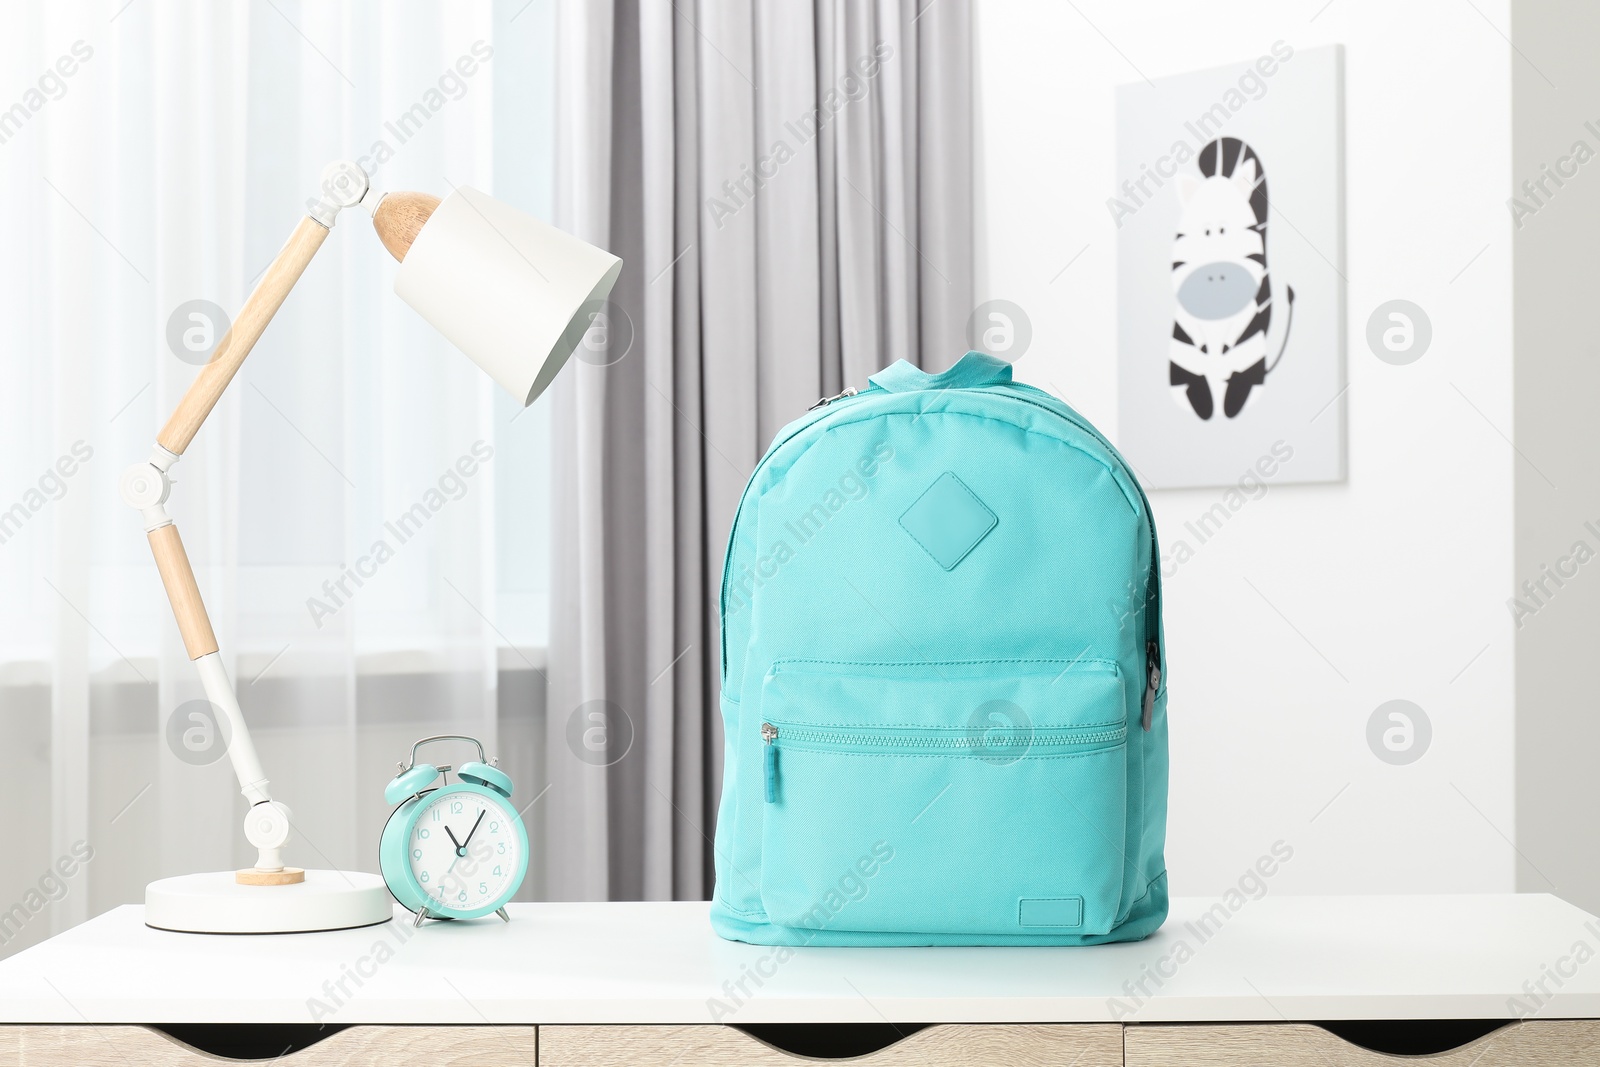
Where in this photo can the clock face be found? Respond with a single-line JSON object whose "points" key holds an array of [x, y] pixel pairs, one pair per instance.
{"points": [[465, 851]]}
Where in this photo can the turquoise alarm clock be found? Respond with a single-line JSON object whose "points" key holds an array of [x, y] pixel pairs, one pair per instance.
{"points": [[456, 850]]}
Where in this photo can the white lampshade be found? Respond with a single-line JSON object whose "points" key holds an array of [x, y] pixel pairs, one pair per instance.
{"points": [[505, 288]]}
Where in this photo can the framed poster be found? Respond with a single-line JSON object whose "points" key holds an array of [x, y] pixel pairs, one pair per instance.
{"points": [[1230, 271]]}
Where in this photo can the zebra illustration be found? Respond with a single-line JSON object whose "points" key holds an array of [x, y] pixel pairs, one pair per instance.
{"points": [[1219, 275]]}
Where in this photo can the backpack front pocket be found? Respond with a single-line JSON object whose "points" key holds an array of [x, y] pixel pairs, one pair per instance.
{"points": [[971, 798]]}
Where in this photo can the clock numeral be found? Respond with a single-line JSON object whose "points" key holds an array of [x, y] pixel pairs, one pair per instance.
{"points": [[497, 870], [494, 827], [423, 876], [416, 853], [455, 807], [423, 832], [463, 896]]}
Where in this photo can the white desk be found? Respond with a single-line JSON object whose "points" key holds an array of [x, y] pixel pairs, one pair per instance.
{"points": [[1276, 960]]}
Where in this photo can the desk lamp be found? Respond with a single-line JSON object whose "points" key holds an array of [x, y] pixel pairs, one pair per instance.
{"points": [[512, 293]]}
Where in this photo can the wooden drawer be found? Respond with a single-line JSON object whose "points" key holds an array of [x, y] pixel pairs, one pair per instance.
{"points": [[359, 1046], [1541, 1043], [935, 1046]]}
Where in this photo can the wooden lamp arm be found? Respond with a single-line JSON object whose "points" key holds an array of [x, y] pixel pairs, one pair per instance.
{"points": [[398, 218], [177, 577], [264, 302], [146, 486]]}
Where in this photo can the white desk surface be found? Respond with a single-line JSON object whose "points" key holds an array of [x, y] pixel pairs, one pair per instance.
{"points": [[1294, 958]]}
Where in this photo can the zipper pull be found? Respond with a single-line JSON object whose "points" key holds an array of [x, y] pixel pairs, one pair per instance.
{"points": [[1152, 659], [825, 401], [769, 734]]}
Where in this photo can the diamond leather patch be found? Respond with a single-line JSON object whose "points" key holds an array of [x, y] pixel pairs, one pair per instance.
{"points": [[948, 521]]}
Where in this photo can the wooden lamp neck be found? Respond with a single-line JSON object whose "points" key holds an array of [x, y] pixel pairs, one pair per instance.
{"points": [[399, 217]]}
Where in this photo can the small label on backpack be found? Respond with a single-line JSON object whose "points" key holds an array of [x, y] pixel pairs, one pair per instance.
{"points": [[948, 520], [1050, 911]]}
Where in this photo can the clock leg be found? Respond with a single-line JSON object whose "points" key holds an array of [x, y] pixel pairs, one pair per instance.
{"points": [[422, 913], [502, 913]]}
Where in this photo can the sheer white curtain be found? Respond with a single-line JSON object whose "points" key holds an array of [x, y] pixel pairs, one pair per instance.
{"points": [[160, 153]]}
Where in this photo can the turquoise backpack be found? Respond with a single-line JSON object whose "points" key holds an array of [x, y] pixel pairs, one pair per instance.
{"points": [[944, 711]]}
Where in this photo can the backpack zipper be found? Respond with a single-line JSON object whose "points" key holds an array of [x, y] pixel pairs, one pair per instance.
{"points": [[769, 760], [888, 738], [825, 401], [915, 743], [1152, 659]]}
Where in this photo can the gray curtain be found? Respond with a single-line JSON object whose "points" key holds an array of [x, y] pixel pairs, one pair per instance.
{"points": [[790, 186]]}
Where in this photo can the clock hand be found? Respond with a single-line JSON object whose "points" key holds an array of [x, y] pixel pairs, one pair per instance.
{"points": [[461, 849], [471, 832]]}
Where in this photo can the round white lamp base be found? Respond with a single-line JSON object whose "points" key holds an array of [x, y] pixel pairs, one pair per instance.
{"points": [[215, 903]]}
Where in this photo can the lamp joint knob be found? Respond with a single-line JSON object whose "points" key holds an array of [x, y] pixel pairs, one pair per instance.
{"points": [[343, 185]]}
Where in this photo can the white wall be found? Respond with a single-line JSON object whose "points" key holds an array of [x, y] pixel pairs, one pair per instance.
{"points": [[1558, 486], [1399, 576]]}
